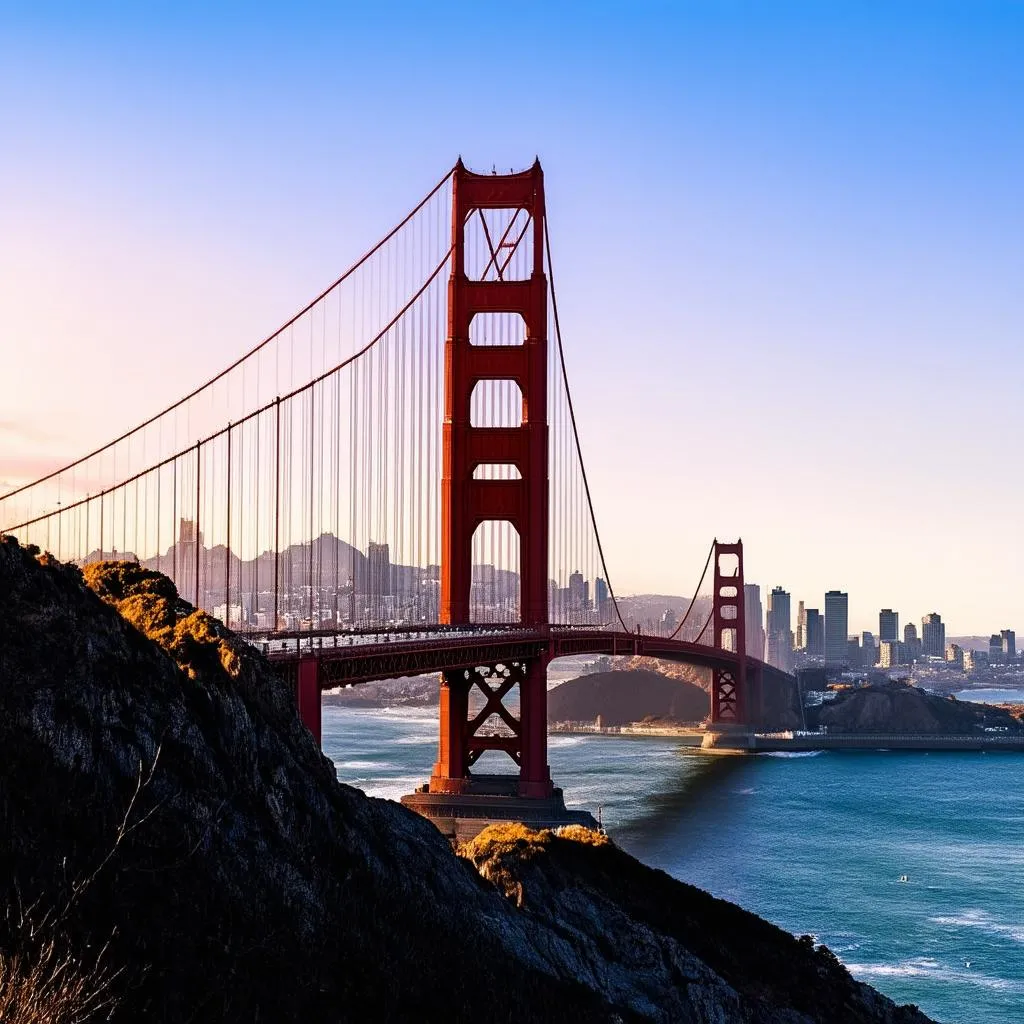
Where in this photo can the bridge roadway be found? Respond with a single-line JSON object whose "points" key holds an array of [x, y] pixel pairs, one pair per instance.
{"points": [[348, 658]]}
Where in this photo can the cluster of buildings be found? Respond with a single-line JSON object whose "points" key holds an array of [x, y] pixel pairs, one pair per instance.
{"points": [[329, 584], [822, 637]]}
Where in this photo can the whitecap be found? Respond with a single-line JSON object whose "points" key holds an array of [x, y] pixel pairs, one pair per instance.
{"points": [[983, 921]]}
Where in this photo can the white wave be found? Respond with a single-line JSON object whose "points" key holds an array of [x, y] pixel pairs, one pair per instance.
{"points": [[983, 921], [925, 967], [565, 741], [792, 753], [414, 738], [391, 789], [362, 765]]}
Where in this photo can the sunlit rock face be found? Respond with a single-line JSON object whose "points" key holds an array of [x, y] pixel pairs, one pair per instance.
{"points": [[164, 812]]}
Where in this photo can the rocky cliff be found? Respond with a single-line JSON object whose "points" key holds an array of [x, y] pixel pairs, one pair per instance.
{"points": [[900, 708], [166, 820]]}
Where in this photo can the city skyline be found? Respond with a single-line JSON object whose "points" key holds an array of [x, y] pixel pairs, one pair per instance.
{"points": [[858, 205]]}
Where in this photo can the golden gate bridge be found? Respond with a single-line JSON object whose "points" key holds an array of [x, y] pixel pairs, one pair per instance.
{"points": [[392, 483]]}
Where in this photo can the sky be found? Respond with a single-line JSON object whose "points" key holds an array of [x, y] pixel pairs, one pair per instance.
{"points": [[789, 240]]}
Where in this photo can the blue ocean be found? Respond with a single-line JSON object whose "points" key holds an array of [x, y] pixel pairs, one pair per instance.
{"points": [[816, 843]]}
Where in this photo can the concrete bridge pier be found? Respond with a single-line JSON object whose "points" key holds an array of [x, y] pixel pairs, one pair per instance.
{"points": [[461, 801]]}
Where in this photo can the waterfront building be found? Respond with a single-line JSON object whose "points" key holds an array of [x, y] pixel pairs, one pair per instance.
{"points": [[955, 655], [753, 620], [933, 636], [836, 624], [1009, 645], [888, 625]]}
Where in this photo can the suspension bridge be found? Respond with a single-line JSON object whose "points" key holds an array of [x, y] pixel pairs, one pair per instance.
{"points": [[392, 484]]}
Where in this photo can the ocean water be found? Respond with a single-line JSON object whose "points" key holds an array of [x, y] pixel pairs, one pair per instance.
{"points": [[992, 696], [816, 843]]}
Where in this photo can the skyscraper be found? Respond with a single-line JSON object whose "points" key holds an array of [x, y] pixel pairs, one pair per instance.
{"points": [[868, 650], [911, 643], [888, 625], [933, 636], [995, 649], [836, 624], [814, 633], [780, 634], [800, 643], [1009, 645], [577, 591], [753, 618], [378, 567], [601, 599]]}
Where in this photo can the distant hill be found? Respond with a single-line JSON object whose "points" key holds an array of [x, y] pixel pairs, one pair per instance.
{"points": [[901, 708], [624, 697]]}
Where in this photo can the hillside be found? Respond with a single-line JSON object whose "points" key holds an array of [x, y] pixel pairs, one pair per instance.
{"points": [[900, 708], [168, 822], [624, 697]]}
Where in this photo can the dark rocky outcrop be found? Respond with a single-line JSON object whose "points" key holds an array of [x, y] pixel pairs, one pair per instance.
{"points": [[624, 697], [163, 812], [665, 948], [898, 707]]}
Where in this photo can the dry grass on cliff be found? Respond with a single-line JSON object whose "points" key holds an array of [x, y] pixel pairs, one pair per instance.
{"points": [[50, 988], [499, 850], [150, 602]]}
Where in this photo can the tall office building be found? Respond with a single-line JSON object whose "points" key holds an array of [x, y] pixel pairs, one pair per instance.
{"points": [[577, 591], [780, 633], [601, 599], [888, 625], [933, 636], [868, 650], [995, 649], [911, 643], [836, 625], [753, 620], [1009, 645], [378, 568], [814, 633], [800, 643]]}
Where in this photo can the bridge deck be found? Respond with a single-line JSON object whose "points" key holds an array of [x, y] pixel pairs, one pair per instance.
{"points": [[350, 658]]}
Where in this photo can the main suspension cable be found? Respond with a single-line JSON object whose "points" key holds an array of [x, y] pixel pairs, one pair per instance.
{"points": [[689, 608], [266, 341]]}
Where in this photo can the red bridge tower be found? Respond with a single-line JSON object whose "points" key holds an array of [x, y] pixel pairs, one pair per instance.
{"points": [[467, 502]]}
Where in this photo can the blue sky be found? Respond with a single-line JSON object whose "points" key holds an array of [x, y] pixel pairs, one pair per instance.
{"points": [[789, 240]]}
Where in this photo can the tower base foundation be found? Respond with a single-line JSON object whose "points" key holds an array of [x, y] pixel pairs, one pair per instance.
{"points": [[489, 799]]}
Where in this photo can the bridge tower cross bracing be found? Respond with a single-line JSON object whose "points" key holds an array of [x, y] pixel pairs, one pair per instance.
{"points": [[467, 502], [729, 685]]}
